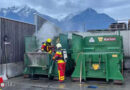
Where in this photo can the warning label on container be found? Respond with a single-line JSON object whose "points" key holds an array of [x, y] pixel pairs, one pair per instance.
{"points": [[91, 39], [100, 39], [114, 55], [109, 39]]}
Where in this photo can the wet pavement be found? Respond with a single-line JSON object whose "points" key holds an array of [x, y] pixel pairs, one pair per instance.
{"points": [[20, 83]]}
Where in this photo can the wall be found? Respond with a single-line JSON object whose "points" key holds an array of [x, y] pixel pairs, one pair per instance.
{"points": [[14, 31], [12, 52], [126, 42]]}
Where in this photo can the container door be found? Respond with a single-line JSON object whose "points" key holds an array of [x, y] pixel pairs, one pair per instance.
{"points": [[77, 43], [96, 65], [64, 41]]}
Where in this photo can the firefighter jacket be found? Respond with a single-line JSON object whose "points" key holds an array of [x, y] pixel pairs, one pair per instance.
{"points": [[46, 47], [58, 56]]}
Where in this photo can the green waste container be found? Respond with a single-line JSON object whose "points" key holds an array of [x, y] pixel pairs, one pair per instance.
{"points": [[37, 63], [97, 57]]}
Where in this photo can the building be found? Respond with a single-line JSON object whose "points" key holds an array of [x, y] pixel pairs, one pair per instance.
{"points": [[118, 26]]}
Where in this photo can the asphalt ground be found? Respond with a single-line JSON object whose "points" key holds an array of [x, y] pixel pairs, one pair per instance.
{"points": [[21, 83]]}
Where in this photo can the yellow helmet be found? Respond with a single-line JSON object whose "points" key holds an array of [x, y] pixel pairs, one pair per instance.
{"points": [[49, 40]]}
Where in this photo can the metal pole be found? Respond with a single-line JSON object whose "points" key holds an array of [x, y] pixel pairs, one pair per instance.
{"points": [[6, 59], [84, 27], [35, 22], [81, 72]]}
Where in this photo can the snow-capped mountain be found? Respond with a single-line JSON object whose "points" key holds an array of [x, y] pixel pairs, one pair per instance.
{"points": [[24, 14], [88, 18]]}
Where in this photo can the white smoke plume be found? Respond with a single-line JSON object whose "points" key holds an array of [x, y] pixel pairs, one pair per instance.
{"points": [[47, 30]]}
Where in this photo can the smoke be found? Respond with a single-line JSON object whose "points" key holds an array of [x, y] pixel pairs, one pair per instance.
{"points": [[72, 27], [47, 30]]}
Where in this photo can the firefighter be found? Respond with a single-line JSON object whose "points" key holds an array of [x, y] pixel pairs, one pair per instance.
{"points": [[46, 46], [61, 63]]}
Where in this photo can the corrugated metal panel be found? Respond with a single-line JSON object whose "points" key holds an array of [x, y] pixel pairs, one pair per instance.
{"points": [[95, 33], [126, 42], [0, 50], [98, 33], [39, 22], [0, 42], [15, 32]]}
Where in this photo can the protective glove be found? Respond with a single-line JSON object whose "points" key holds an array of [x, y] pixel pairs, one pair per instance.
{"points": [[53, 58]]}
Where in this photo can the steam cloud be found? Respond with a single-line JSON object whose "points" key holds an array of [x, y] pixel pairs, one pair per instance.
{"points": [[47, 30]]}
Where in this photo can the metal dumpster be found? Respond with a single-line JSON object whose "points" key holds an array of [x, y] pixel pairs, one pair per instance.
{"points": [[98, 57], [37, 63]]}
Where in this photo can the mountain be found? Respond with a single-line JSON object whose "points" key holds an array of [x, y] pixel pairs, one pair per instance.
{"points": [[88, 19], [25, 14]]}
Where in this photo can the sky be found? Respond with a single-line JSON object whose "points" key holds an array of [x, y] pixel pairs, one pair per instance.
{"points": [[117, 9]]}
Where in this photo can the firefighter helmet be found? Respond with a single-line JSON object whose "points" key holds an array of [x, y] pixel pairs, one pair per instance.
{"points": [[58, 45], [49, 40]]}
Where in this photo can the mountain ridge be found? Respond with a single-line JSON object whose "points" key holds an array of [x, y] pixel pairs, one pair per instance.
{"points": [[87, 18]]}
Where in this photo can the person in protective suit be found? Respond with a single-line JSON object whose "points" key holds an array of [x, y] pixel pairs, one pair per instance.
{"points": [[46, 46], [61, 63]]}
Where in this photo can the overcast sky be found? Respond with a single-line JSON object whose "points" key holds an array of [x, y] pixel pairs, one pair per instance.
{"points": [[118, 9]]}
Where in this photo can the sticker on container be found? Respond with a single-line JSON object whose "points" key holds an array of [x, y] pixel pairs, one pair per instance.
{"points": [[95, 66], [114, 55], [91, 39], [100, 39], [109, 39]]}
